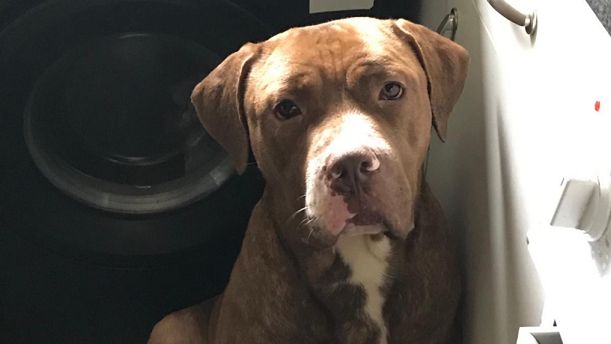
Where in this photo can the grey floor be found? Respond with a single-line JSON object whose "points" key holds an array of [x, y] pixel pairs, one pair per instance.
{"points": [[602, 8]]}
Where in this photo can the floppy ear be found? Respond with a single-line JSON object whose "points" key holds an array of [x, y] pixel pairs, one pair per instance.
{"points": [[219, 102], [445, 64]]}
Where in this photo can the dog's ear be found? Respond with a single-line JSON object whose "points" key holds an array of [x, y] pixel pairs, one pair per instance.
{"points": [[219, 102], [445, 64]]}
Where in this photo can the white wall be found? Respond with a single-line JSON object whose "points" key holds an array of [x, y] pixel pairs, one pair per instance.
{"points": [[526, 119]]}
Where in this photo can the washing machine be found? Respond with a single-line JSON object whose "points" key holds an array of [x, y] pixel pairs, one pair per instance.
{"points": [[116, 207]]}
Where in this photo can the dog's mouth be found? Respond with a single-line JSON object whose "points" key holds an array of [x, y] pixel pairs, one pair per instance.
{"points": [[363, 215], [366, 218], [351, 229], [368, 223]]}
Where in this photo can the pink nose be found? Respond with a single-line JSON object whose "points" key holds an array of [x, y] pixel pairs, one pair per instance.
{"points": [[348, 173]]}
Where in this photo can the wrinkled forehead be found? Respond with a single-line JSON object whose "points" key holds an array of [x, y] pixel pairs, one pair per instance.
{"points": [[327, 51], [328, 39]]}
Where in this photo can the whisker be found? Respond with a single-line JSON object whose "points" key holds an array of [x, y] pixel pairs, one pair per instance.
{"points": [[310, 234], [389, 275], [303, 222], [306, 221], [296, 213], [303, 225], [311, 228]]}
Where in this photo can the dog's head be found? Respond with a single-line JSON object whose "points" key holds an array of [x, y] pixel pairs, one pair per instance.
{"points": [[339, 117]]}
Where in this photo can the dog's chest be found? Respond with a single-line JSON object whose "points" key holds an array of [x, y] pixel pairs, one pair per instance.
{"points": [[367, 259]]}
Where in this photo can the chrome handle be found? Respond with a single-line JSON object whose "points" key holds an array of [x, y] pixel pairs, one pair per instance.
{"points": [[529, 21], [449, 22]]}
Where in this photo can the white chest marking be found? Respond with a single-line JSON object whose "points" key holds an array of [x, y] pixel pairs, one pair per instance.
{"points": [[367, 260]]}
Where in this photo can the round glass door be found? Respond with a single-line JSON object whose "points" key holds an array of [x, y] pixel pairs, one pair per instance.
{"points": [[111, 124]]}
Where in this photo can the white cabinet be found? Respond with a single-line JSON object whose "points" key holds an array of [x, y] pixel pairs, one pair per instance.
{"points": [[534, 110]]}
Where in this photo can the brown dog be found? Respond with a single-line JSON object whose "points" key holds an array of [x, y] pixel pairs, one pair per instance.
{"points": [[347, 244]]}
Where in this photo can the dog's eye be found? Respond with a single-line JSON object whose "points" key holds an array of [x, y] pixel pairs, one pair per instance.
{"points": [[391, 91], [286, 109]]}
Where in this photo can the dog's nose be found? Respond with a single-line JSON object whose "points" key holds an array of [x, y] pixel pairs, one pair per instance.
{"points": [[348, 172]]}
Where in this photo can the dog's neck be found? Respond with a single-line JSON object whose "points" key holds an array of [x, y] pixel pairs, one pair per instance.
{"points": [[328, 272], [348, 276]]}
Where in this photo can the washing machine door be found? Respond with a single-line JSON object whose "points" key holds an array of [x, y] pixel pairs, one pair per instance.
{"points": [[102, 150]]}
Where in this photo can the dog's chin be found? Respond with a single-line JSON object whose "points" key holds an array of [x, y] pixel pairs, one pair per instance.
{"points": [[353, 230], [340, 218], [371, 223], [376, 229], [322, 238]]}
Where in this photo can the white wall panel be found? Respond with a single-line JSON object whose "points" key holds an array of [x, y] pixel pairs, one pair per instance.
{"points": [[526, 119]]}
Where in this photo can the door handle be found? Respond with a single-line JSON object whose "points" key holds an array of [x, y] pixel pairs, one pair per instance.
{"points": [[449, 23], [529, 20]]}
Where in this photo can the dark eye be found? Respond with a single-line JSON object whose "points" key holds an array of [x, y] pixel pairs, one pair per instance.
{"points": [[391, 91], [286, 109]]}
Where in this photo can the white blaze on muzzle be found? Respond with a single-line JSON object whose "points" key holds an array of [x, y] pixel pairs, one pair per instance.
{"points": [[353, 132]]}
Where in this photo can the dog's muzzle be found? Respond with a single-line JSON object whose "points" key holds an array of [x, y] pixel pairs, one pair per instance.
{"points": [[350, 178]]}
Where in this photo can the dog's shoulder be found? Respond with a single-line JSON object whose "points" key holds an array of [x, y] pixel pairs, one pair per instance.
{"points": [[266, 291], [189, 325]]}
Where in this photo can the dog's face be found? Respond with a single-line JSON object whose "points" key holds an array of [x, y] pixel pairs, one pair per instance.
{"points": [[339, 117]]}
